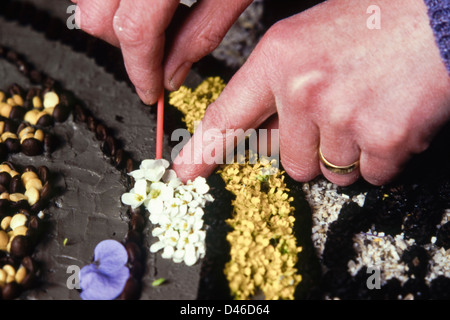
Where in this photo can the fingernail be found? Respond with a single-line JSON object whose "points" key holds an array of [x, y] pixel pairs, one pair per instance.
{"points": [[178, 77], [146, 96]]}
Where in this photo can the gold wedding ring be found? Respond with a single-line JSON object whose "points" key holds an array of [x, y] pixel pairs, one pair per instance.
{"points": [[337, 169]]}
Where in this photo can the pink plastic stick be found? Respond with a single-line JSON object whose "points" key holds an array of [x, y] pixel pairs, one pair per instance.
{"points": [[159, 126]]}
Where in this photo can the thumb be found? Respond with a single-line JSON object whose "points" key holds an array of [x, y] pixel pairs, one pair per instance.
{"points": [[246, 102]]}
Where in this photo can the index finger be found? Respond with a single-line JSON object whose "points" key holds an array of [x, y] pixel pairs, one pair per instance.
{"points": [[140, 28], [246, 102]]}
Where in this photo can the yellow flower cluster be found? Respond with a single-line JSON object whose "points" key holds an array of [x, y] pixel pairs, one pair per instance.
{"points": [[193, 104], [263, 247]]}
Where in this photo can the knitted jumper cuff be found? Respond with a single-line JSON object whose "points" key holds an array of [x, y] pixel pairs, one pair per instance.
{"points": [[439, 13]]}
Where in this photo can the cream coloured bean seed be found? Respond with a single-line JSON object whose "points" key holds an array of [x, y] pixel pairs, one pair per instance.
{"points": [[27, 176], [49, 111], [5, 109], [34, 183], [20, 231], [19, 219], [4, 195], [37, 102], [13, 173], [10, 278], [39, 135], [31, 116], [4, 239], [7, 135], [4, 168], [18, 100], [20, 274], [51, 99], [5, 222], [25, 131], [11, 238], [16, 197], [9, 269], [27, 136], [32, 194], [3, 276]]}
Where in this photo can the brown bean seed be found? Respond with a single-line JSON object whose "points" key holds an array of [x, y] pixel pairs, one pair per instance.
{"points": [[44, 173], [46, 191], [10, 291], [17, 113], [5, 179], [44, 119], [13, 145], [61, 112], [20, 246], [16, 185], [80, 113], [32, 147]]}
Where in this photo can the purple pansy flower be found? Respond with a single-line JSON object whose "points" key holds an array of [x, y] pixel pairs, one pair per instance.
{"points": [[105, 278]]}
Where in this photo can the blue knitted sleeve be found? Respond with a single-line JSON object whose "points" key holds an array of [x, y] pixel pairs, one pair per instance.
{"points": [[439, 13]]}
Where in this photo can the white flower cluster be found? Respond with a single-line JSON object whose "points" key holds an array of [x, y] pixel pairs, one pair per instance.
{"points": [[176, 209]]}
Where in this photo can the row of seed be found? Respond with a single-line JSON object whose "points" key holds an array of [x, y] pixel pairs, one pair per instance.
{"points": [[263, 247], [46, 106], [20, 225]]}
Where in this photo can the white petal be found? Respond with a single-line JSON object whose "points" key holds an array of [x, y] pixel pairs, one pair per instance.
{"points": [[200, 185], [168, 252], [137, 174], [166, 193], [154, 218], [190, 257], [198, 224], [169, 175], [131, 200], [156, 232], [154, 175], [140, 187], [178, 256], [156, 246], [155, 206]]}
